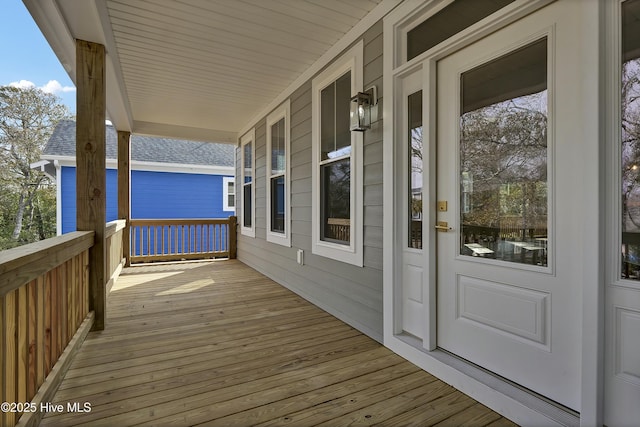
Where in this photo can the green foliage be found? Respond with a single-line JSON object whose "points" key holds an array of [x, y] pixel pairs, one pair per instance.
{"points": [[27, 196]]}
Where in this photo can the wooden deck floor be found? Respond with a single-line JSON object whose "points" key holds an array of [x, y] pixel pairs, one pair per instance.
{"points": [[219, 344]]}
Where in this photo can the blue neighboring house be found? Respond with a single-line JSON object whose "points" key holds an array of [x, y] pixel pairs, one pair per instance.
{"points": [[170, 178]]}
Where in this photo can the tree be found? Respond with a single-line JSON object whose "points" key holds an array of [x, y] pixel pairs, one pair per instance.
{"points": [[503, 147], [27, 120]]}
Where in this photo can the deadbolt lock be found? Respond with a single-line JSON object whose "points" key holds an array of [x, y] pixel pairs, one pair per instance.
{"points": [[442, 206]]}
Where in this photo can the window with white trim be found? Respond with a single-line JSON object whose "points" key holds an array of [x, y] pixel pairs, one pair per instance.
{"points": [[337, 203], [278, 154], [248, 161], [228, 193]]}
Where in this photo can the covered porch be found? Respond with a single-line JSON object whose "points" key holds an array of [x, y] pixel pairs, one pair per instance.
{"points": [[218, 343], [221, 343]]}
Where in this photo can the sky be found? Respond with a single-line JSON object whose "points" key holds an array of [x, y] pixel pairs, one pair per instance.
{"points": [[26, 59]]}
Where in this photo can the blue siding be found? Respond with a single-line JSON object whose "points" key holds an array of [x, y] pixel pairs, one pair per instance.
{"points": [[154, 195]]}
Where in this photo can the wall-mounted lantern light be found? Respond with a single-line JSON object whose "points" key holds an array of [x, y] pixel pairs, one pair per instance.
{"points": [[361, 103]]}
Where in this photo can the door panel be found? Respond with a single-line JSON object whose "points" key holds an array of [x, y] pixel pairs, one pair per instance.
{"points": [[497, 163]]}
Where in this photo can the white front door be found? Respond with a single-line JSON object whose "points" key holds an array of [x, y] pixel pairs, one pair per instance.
{"points": [[508, 294]]}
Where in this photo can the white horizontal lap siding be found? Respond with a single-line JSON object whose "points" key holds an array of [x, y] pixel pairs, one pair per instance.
{"points": [[351, 293]]}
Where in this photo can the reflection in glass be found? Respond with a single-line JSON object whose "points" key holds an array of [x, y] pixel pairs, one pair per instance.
{"points": [[415, 170], [335, 201], [277, 204], [247, 184], [276, 177], [246, 208], [503, 158], [630, 132], [277, 148], [452, 19], [335, 137], [247, 162]]}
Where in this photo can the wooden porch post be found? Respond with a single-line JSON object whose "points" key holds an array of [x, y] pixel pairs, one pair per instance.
{"points": [[91, 166], [124, 189], [233, 237]]}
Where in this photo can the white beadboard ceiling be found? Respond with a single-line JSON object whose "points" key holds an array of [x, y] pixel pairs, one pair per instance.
{"points": [[203, 69]]}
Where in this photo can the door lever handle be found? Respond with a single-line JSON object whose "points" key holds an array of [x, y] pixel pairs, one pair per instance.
{"points": [[443, 226]]}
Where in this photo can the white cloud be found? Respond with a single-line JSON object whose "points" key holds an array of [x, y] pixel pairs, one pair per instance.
{"points": [[22, 84], [53, 86]]}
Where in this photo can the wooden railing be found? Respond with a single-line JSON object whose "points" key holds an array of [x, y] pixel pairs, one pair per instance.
{"points": [[182, 239], [44, 311], [114, 250], [338, 229], [509, 228], [516, 228]]}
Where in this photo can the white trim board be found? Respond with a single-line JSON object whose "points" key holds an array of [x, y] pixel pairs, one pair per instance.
{"points": [[138, 165], [283, 112], [351, 61]]}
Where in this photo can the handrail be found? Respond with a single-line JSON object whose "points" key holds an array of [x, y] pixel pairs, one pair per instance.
{"points": [[114, 226], [181, 239], [44, 304], [114, 251], [25, 263]]}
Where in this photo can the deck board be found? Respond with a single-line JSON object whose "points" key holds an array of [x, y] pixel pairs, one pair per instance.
{"points": [[219, 344]]}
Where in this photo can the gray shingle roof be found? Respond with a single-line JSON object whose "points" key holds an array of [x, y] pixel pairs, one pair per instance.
{"points": [[145, 148]]}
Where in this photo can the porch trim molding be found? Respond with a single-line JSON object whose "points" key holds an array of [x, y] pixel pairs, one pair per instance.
{"points": [[138, 165]]}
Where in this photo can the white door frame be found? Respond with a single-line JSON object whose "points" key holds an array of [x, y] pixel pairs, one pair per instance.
{"points": [[622, 297], [489, 390]]}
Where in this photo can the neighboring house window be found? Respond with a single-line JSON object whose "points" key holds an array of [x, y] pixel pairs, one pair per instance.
{"points": [[337, 162], [248, 151], [278, 220], [228, 193]]}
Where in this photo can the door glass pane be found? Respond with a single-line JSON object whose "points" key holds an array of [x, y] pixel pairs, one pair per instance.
{"points": [[503, 158], [335, 194], [415, 170], [630, 132]]}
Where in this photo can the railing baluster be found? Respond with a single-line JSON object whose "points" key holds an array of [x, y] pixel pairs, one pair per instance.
{"points": [[176, 239], [41, 290], [10, 362]]}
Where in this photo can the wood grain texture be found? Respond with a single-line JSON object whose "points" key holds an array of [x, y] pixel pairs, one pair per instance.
{"points": [[37, 321], [9, 377], [124, 187], [19, 266], [91, 185], [219, 344], [182, 239]]}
